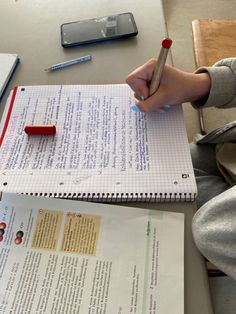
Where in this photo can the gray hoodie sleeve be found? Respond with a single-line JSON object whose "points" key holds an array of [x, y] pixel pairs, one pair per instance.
{"points": [[223, 85], [214, 224], [214, 231]]}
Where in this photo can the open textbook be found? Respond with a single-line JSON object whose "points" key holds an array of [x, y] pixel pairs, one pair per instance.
{"points": [[65, 256], [102, 149]]}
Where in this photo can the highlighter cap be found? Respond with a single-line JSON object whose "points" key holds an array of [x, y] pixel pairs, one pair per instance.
{"points": [[166, 43], [40, 129]]}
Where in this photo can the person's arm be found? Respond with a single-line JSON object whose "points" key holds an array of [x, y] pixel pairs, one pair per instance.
{"points": [[176, 86], [223, 85], [208, 86]]}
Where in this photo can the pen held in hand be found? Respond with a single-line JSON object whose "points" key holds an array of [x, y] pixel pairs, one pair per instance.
{"points": [[157, 74], [69, 63]]}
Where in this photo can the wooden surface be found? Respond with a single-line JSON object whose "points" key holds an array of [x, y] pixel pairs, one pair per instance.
{"points": [[213, 40]]}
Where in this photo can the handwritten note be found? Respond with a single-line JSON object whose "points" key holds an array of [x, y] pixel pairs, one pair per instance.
{"points": [[94, 132]]}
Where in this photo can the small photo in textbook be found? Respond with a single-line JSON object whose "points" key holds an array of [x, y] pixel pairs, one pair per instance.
{"points": [[101, 151]]}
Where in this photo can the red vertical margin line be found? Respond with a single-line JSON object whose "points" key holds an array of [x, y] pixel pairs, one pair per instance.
{"points": [[8, 115]]}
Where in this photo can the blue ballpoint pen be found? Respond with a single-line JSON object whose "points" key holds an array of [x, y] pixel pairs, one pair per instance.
{"points": [[69, 63]]}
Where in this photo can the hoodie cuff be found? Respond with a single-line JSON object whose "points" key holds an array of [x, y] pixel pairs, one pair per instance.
{"points": [[222, 91]]}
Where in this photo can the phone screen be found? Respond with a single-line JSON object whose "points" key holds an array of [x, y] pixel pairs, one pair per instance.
{"points": [[98, 29]]}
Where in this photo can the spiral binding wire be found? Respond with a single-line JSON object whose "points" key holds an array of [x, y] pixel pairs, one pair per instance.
{"points": [[123, 197]]}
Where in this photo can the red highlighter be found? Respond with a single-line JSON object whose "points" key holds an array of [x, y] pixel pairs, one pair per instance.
{"points": [[40, 129]]}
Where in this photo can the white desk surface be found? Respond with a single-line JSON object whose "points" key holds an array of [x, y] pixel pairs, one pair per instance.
{"points": [[32, 30]]}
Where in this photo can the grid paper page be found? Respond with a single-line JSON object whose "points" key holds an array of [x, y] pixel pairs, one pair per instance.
{"points": [[102, 149]]}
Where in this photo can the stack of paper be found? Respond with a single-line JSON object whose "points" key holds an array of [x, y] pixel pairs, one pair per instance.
{"points": [[8, 63]]}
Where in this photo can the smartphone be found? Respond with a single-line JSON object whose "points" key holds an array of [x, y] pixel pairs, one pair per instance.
{"points": [[98, 29]]}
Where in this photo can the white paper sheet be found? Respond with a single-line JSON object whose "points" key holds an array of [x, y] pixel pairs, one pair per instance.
{"points": [[61, 256]]}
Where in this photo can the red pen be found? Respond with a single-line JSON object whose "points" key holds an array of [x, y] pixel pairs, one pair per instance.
{"points": [[40, 129]]}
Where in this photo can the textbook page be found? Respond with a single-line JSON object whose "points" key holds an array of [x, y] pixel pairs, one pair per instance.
{"points": [[102, 148], [64, 256]]}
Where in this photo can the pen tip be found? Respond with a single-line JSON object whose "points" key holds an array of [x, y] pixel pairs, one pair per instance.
{"points": [[166, 43]]}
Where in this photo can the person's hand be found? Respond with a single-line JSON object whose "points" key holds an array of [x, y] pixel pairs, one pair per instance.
{"points": [[176, 86]]}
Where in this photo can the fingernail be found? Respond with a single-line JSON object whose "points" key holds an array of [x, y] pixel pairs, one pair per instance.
{"points": [[136, 108], [167, 106], [142, 97]]}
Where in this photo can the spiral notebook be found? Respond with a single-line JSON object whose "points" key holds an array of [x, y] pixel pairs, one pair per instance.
{"points": [[102, 150]]}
